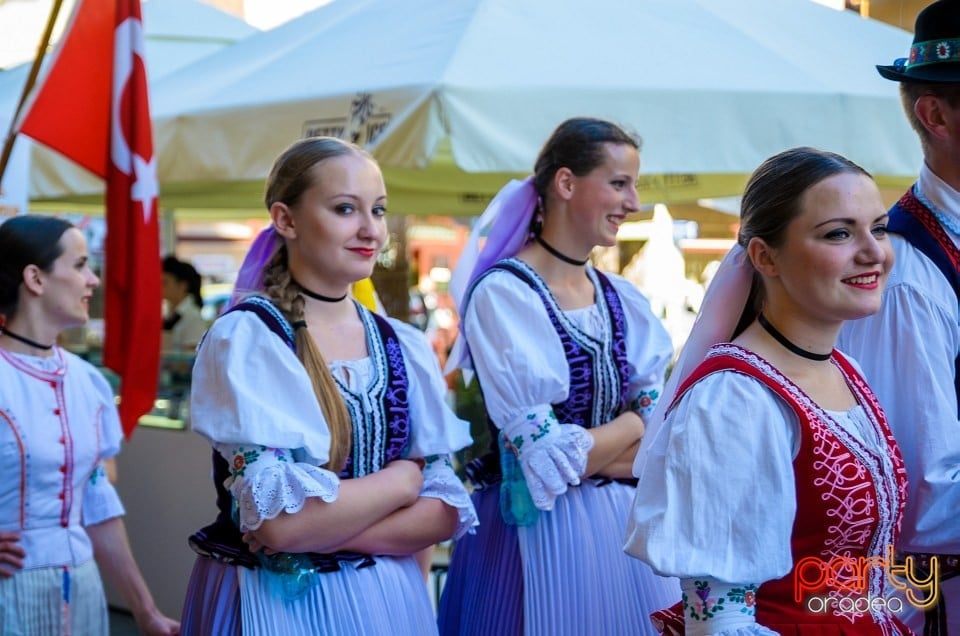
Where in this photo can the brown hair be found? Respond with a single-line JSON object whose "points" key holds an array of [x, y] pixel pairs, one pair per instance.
{"points": [[289, 178], [772, 200], [184, 272], [577, 144], [26, 240]]}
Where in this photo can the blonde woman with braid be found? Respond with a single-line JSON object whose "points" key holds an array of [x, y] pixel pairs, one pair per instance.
{"points": [[328, 424]]}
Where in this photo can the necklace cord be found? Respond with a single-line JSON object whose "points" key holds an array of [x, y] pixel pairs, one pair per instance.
{"points": [[25, 340], [558, 254], [783, 340], [316, 296]]}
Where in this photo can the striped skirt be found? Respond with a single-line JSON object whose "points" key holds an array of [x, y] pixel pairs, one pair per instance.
{"points": [[54, 601], [387, 598], [566, 575]]}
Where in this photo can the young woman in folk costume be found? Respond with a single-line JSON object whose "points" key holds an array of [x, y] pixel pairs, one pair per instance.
{"points": [[570, 361], [775, 462], [61, 520], [328, 423]]}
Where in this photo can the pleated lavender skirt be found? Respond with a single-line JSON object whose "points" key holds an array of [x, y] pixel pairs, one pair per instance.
{"points": [[212, 604], [567, 575], [388, 598], [483, 592]]}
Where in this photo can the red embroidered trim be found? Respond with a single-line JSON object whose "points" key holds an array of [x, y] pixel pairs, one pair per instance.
{"points": [[68, 458], [910, 204], [23, 468]]}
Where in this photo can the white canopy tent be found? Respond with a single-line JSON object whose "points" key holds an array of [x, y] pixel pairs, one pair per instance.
{"points": [[455, 97], [176, 33]]}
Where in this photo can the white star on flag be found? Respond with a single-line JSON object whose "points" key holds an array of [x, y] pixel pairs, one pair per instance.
{"points": [[144, 188]]}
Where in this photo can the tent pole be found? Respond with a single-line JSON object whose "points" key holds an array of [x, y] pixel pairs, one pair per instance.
{"points": [[31, 80]]}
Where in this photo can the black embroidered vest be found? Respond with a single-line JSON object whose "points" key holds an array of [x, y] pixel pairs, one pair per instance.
{"points": [[380, 435], [599, 371]]}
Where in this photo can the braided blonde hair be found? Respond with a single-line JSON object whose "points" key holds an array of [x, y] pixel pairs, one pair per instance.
{"points": [[288, 180]]}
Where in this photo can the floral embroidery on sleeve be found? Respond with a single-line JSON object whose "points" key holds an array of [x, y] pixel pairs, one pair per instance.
{"points": [[99, 473], [646, 402], [747, 596], [243, 458], [712, 598], [539, 426], [266, 481], [437, 461]]}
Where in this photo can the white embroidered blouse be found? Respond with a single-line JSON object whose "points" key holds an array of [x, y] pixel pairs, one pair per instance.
{"points": [[58, 422], [253, 400], [697, 514]]}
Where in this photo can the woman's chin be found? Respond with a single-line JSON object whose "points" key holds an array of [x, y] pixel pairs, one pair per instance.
{"points": [[863, 312], [77, 321]]}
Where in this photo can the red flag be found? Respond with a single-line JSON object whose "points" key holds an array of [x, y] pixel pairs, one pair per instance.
{"points": [[92, 107]]}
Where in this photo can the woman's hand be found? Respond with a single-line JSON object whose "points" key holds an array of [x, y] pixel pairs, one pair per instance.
{"points": [[254, 545], [613, 440], [622, 466], [111, 549], [11, 554], [156, 624], [552, 456], [408, 474]]}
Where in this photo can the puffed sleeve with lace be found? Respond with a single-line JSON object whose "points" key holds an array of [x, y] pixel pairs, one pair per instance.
{"points": [[519, 361], [253, 400]]}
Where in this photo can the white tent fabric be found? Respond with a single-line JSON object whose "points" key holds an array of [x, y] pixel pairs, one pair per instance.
{"points": [[13, 187], [21, 22], [177, 33], [713, 87]]}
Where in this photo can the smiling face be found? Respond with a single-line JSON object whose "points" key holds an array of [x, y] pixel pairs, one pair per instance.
{"points": [[601, 199], [835, 256], [337, 227], [69, 284]]}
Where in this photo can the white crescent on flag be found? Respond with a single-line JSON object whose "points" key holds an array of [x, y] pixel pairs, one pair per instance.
{"points": [[129, 41], [108, 132]]}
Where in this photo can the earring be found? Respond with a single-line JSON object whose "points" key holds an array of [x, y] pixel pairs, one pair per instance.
{"points": [[536, 223]]}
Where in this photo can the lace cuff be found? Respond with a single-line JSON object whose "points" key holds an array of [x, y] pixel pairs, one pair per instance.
{"points": [[100, 499], [711, 607], [441, 482], [551, 455], [266, 481]]}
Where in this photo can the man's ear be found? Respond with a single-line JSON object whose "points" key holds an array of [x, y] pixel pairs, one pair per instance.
{"points": [[33, 279], [763, 257], [283, 221], [929, 110]]}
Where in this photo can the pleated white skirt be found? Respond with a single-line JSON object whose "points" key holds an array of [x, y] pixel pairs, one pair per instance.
{"points": [[566, 575], [577, 580], [54, 601], [387, 598]]}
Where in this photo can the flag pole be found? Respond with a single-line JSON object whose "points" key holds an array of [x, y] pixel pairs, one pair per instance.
{"points": [[31, 80]]}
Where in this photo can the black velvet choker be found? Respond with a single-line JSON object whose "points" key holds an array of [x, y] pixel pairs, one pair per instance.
{"points": [[25, 340], [316, 296], [555, 252], [782, 339]]}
